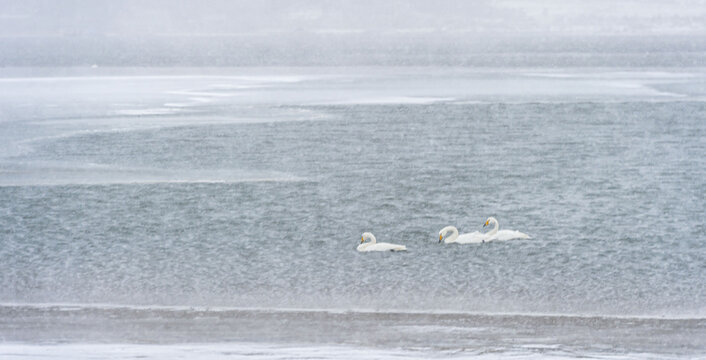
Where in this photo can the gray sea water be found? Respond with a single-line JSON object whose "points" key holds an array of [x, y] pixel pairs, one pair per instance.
{"points": [[216, 212]]}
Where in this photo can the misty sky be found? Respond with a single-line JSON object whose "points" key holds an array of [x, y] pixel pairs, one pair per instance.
{"points": [[241, 18]]}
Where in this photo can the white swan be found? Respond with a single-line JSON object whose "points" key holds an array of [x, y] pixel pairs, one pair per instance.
{"points": [[469, 238], [373, 245], [502, 235]]}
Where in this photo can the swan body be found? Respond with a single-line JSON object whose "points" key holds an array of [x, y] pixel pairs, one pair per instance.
{"points": [[502, 235], [469, 238], [373, 245]]}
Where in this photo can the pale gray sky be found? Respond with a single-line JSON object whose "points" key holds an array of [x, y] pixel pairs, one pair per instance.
{"points": [[366, 17], [352, 32]]}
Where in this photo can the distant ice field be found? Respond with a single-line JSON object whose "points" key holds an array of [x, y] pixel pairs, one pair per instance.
{"points": [[161, 332], [249, 189]]}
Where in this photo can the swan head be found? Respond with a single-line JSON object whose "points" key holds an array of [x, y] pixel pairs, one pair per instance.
{"points": [[491, 220], [443, 232], [367, 235]]}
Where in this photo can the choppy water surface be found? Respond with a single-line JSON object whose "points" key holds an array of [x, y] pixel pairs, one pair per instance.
{"points": [[250, 189]]}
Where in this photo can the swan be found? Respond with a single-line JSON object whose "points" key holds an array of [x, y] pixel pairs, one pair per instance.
{"points": [[373, 245], [469, 238], [502, 235]]}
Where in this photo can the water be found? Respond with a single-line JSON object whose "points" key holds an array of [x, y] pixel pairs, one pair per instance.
{"points": [[139, 200]]}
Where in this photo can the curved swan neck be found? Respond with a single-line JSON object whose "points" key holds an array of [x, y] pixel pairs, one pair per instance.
{"points": [[370, 236], [495, 226], [454, 234], [452, 237]]}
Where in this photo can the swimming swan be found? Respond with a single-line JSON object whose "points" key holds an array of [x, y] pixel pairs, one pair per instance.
{"points": [[502, 235], [469, 238], [373, 245]]}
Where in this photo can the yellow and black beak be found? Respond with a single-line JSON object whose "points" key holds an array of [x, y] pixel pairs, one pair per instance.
{"points": [[486, 223], [362, 239], [440, 237]]}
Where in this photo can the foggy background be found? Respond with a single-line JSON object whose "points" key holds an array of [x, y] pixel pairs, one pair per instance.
{"points": [[234, 33]]}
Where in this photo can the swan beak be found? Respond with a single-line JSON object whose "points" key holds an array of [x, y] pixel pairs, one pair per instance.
{"points": [[362, 240], [486, 224], [440, 237]]}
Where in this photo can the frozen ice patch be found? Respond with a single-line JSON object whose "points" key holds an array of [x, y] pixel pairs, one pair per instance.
{"points": [[148, 112], [383, 100], [86, 351]]}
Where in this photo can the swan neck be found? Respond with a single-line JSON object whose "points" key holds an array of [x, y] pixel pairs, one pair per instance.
{"points": [[495, 227], [454, 234], [369, 236]]}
